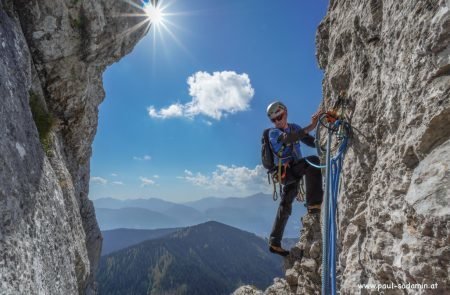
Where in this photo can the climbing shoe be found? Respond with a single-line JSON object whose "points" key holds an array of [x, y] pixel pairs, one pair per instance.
{"points": [[278, 250]]}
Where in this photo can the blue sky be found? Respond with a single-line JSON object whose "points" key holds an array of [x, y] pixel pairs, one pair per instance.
{"points": [[184, 112]]}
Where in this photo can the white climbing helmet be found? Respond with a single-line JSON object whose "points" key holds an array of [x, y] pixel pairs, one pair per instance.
{"points": [[275, 109]]}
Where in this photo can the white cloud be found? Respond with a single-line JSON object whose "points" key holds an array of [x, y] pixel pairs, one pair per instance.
{"points": [[213, 95], [155, 176], [175, 110], [231, 180], [146, 181], [98, 180], [114, 174], [117, 182], [144, 158]]}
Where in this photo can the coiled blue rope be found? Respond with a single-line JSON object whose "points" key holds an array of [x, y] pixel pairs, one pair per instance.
{"points": [[334, 167]]}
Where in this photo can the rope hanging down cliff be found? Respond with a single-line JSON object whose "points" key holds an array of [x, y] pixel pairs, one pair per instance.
{"points": [[339, 131]]}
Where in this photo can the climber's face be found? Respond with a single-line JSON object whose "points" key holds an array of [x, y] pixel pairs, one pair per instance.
{"points": [[281, 120]]}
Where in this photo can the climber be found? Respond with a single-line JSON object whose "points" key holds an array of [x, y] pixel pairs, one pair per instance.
{"points": [[284, 141]]}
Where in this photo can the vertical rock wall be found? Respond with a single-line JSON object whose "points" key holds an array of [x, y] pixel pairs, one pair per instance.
{"points": [[53, 53], [392, 58]]}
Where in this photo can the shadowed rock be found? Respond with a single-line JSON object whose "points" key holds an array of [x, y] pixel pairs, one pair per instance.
{"points": [[53, 53]]}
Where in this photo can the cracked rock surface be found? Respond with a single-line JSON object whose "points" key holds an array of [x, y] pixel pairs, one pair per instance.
{"points": [[53, 53], [392, 59]]}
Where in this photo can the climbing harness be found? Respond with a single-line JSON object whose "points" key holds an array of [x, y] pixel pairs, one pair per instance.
{"points": [[278, 172], [278, 175]]}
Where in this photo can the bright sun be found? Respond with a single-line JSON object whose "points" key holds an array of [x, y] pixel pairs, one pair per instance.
{"points": [[154, 13], [155, 16]]}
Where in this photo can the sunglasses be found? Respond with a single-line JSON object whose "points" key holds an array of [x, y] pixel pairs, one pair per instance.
{"points": [[279, 118]]}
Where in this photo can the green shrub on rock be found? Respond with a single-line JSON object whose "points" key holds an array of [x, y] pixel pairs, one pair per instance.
{"points": [[43, 119]]}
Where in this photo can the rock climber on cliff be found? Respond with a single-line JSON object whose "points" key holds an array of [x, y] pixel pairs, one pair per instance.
{"points": [[284, 141]]}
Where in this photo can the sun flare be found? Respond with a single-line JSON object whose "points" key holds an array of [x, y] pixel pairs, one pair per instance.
{"points": [[154, 13], [157, 18]]}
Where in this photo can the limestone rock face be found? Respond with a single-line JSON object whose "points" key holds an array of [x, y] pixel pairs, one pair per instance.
{"points": [[247, 290], [392, 58], [53, 53], [304, 264]]}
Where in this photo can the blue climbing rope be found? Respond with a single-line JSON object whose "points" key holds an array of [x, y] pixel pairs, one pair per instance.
{"points": [[314, 165], [333, 166], [319, 151], [329, 232], [325, 221]]}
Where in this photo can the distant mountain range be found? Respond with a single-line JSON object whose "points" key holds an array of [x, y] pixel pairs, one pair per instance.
{"points": [[254, 213], [210, 258], [118, 239]]}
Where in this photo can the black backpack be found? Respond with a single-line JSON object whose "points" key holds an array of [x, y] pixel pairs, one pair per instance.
{"points": [[266, 151]]}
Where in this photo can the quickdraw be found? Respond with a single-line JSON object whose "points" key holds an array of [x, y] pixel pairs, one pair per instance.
{"points": [[278, 176]]}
